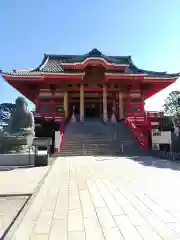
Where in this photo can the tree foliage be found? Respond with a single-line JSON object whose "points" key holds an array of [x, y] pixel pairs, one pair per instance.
{"points": [[172, 105], [5, 112], [166, 124]]}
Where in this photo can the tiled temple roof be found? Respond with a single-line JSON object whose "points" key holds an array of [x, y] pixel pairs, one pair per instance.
{"points": [[55, 64], [23, 73]]}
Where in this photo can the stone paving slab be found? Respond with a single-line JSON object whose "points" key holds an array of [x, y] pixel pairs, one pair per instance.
{"points": [[9, 208], [96, 198], [16, 186], [20, 180]]}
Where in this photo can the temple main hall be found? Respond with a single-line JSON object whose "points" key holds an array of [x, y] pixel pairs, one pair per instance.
{"points": [[92, 85]]}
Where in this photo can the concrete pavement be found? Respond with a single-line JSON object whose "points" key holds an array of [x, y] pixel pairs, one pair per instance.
{"points": [[16, 187], [108, 198], [20, 180]]}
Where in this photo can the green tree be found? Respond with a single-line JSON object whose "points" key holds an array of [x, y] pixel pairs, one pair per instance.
{"points": [[172, 105], [5, 111]]}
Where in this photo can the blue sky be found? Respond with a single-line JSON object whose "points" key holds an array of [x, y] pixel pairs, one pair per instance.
{"points": [[149, 31]]}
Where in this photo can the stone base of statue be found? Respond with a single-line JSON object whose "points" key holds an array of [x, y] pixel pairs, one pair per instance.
{"points": [[17, 159], [32, 158], [15, 142], [16, 149]]}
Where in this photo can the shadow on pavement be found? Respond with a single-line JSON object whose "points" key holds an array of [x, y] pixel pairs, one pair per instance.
{"points": [[11, 168], [145, 160], [149, 161]]}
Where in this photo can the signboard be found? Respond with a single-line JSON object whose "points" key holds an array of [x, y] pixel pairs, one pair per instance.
{"points": [[161, 137]]}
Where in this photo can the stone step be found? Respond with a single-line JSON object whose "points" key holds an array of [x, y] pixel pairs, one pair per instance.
{"points": [[88, 139], [109, 137], [72, 147], [84, 152], [105, 143], [89, 143], [91, 153], [73, 136], [96, 138], [86, 144]]}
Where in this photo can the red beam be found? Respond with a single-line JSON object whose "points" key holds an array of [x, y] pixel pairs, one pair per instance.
{"points": [[64, 76], [23, 78], [121, 77], [95, 62]]}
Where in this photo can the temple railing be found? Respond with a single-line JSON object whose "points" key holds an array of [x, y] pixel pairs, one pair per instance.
{"points": [[63, 122], [138, 133]]}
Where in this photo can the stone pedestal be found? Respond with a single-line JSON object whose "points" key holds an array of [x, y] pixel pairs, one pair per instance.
{"points": [[17, 159]]}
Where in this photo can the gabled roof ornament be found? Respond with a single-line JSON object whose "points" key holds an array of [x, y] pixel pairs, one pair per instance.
{"points": [[95, 53]]}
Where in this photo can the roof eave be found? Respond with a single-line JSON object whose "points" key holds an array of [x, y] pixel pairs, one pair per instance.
{"points": [[15, 75], [168, 75], [42, 63]]}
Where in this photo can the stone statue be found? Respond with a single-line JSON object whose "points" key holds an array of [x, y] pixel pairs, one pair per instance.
{"points": [[20, 133]]}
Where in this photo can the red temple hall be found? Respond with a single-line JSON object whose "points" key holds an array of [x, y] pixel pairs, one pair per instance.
{"points": [[92, 85]]}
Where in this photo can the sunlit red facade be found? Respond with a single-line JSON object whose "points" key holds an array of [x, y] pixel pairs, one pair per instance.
{"points": [[91, 85]]}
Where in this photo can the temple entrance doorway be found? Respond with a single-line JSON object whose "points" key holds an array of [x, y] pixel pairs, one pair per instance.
{"points": [[92, 110]]}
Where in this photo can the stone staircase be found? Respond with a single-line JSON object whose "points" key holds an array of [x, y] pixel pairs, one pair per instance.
{"points": [[122, 135], [96, 138]]}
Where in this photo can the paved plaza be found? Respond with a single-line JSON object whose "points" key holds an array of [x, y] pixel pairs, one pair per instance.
{"points": [[96, 198], [16, 181], [16, 187]]}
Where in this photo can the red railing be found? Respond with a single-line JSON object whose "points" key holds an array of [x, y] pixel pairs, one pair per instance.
{"points": [[141, 139]]}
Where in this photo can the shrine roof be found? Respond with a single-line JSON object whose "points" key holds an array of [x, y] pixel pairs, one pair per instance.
{"points": [[148, 73], [22, 73], [55, 64]]}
